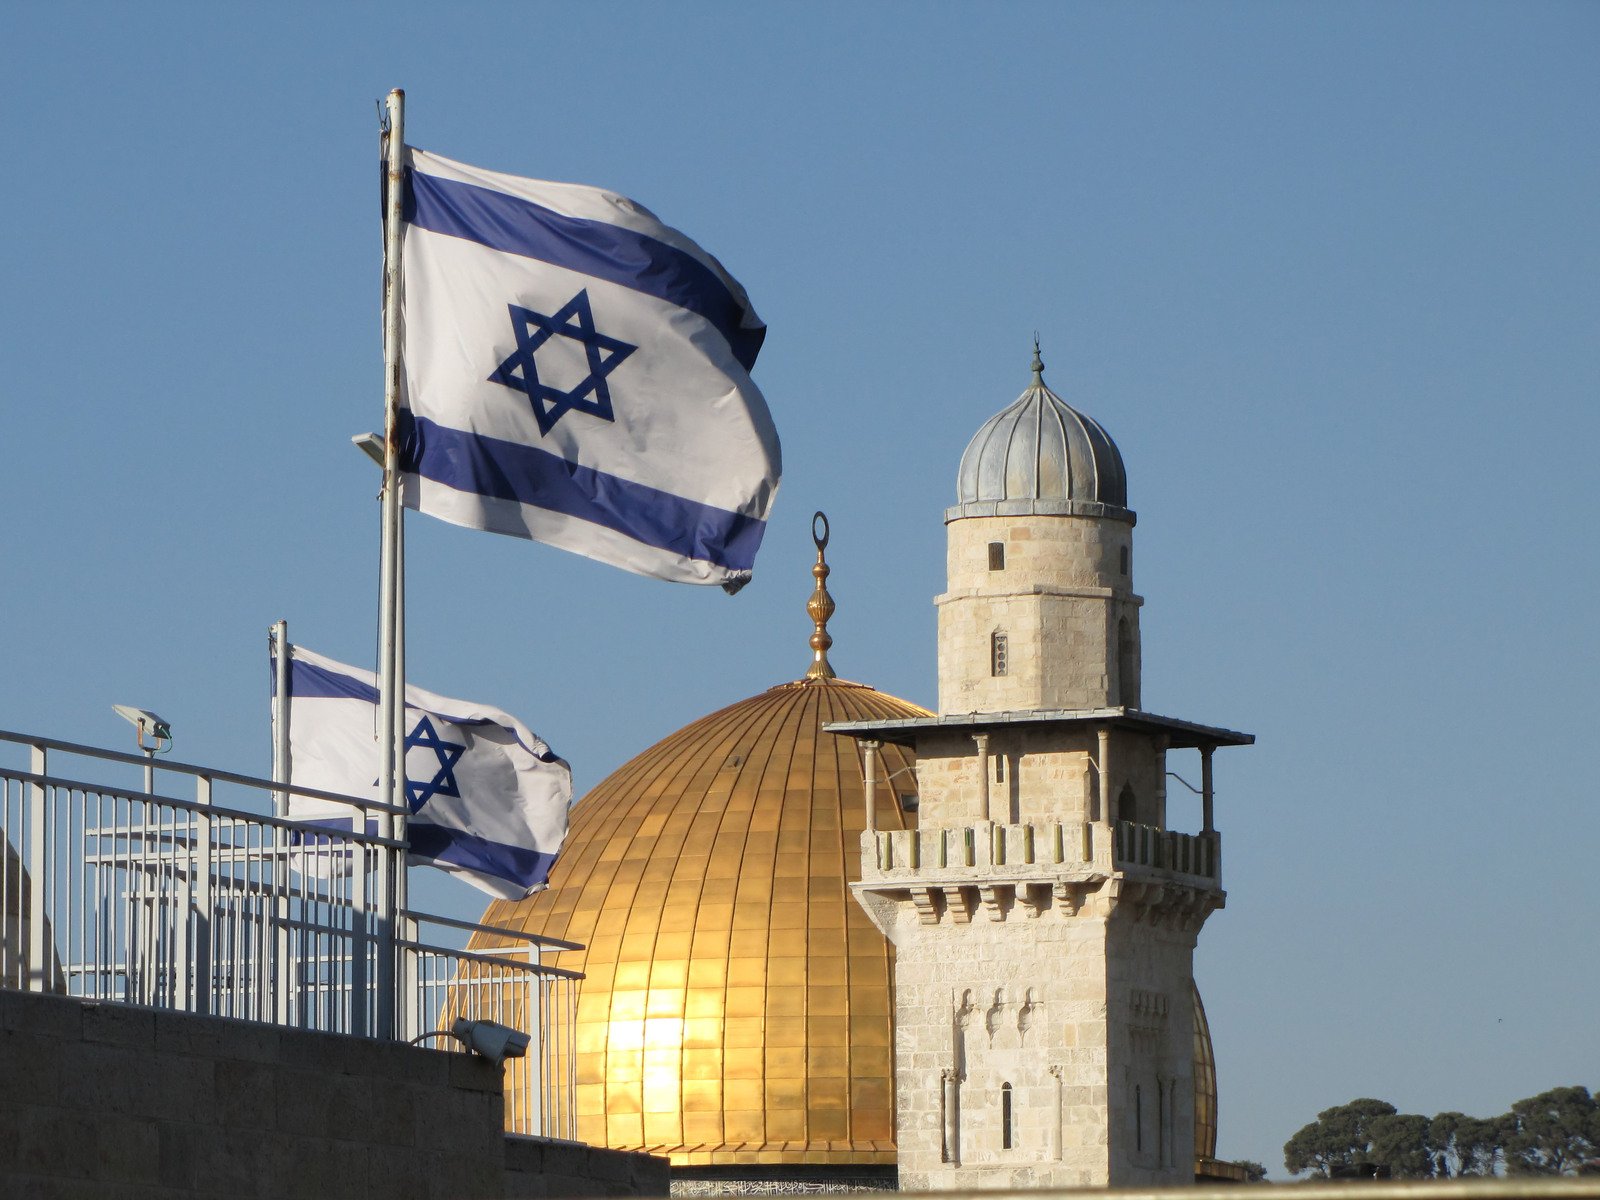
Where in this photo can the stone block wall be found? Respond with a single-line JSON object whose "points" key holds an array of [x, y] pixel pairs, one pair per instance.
{"points": [[539, 1169], [109, 1100], [1068, 613]]}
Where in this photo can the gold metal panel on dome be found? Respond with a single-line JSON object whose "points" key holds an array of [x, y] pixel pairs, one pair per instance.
{"points": [[737, 1005]]}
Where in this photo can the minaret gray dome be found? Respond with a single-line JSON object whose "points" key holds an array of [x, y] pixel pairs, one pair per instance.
{"points": [[1041, 455]]}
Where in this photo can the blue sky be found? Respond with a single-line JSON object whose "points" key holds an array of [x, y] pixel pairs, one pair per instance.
{"points": [[1327, 273]]}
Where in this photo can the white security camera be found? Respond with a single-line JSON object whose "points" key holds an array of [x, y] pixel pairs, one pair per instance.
{"points": [[495, 1042], [146, 722]]}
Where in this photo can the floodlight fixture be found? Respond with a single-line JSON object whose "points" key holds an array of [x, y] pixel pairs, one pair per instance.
{"points": [[487, 1039], [147, 724], [370, 444], [493, 1041]]}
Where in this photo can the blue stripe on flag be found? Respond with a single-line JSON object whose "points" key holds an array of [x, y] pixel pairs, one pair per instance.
{"points": [[308, 681], [608, 252], [503, 470], [527, 868]]}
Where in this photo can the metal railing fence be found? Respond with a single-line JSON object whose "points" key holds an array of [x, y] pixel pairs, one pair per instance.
{"points": [[120, 894], [506, 985]]}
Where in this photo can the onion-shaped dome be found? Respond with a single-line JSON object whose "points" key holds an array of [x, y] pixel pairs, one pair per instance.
{"points": [[1041, 455]]}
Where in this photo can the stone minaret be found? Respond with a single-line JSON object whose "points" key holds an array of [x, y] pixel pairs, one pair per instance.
{"points": [[1044, 915]]}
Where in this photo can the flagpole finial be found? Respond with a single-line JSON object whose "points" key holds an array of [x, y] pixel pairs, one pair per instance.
{"points": [[820, 607], [1038, 363]]}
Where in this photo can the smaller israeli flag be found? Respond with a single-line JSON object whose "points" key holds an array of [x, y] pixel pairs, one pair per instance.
{"points": [[488, 798], [578, 373]]}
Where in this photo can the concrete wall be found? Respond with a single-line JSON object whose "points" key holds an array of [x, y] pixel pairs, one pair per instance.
{"points": [[111, 1100]]}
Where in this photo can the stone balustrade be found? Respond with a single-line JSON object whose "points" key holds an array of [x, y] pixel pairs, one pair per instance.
{"points": [[1042, 849]]}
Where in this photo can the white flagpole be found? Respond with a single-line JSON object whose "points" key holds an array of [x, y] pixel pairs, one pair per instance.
{"points": [[280, 717], [391, 682]]}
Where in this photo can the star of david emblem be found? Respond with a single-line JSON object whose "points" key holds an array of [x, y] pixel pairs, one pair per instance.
{"points": [[443, 783], [602, 355]]}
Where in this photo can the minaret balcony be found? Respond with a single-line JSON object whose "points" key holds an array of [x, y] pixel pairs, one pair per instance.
{"points": [[1029, 868], [1039, 850]]}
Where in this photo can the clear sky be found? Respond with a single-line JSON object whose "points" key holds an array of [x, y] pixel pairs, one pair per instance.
{"points": [[1328, 273]]}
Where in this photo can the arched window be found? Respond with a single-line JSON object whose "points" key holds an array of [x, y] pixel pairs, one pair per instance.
{"points": [[997, 654], [1005, 1116], [1127, 805]]}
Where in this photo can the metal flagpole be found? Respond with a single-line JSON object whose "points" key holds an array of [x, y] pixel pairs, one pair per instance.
{"points": [[282, 973], [391, 683], [280, 717]]}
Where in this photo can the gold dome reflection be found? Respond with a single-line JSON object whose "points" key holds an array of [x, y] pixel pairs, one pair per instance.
{"points": [[737, 1006]]}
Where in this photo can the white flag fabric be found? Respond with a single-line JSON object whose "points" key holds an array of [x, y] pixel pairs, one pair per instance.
{"points": [[578, 373], [488, 798]]}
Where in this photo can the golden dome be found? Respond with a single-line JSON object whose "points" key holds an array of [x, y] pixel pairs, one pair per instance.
{"points": [[736, 1006], [1205, 1084]]}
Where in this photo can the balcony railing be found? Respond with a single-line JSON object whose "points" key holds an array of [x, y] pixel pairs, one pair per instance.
{"points": [[1044, 848], [1164, 850], [122, 894]]}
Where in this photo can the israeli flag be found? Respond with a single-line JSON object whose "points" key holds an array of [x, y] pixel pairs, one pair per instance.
{"points": [[488, 798], [578, 373]]}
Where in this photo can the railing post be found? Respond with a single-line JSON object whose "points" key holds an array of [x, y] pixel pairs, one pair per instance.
{"points": [[38, 979], [281, 976], [360, 934], [387, 945], [200, 866], [408, 989]]}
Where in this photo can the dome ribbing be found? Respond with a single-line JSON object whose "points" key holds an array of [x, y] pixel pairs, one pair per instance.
{"points": [[1039, 454], [737, 1004]]}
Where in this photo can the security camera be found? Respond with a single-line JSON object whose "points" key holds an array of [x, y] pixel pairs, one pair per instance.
{"points": [[146, 722], [495, 1042]]}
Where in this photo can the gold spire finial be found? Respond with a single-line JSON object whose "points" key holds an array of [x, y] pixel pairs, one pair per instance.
{"points": [[820, 607]]}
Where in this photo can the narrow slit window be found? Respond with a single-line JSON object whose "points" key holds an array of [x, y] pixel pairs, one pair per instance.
{"points": [[1138, 1117], [1005, 1116], [999, 768], [997, 654], [997, 557], [1124, 557]]}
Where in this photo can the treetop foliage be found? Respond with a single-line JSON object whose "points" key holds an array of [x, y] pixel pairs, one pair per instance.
{"points": [[1554, 1133]]}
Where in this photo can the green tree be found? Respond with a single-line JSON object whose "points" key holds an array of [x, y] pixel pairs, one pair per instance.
{"points": [[1554, 1133], [1340, 1137], [1464, 1145], [1254, 1172], [1401, 1142]]}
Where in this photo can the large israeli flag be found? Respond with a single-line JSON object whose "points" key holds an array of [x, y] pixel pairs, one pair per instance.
{"points": [[577, 372], [488, 798]]}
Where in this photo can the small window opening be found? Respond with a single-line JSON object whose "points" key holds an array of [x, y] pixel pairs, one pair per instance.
{"points": [[999, 768], [1124, 557], [997, 557], [1005, 1116], [1127, 805], [1138, 1117], [997, 654]]}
